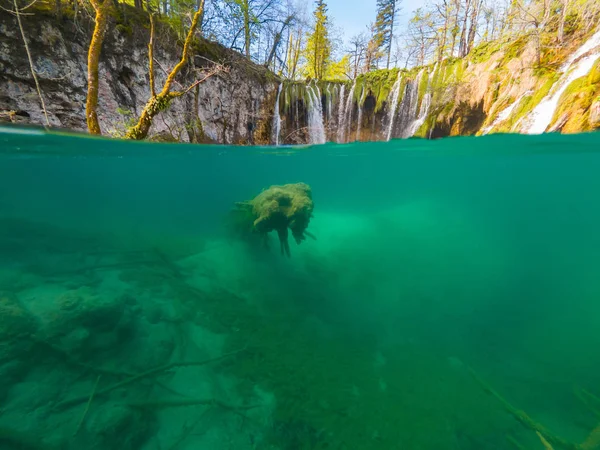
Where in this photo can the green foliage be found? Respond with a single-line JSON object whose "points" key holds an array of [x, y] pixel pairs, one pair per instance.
{"points": [[318, 44], [513, 49], [423, 87], [125, 29], [484, 51], [384, 26], [338, 71]]}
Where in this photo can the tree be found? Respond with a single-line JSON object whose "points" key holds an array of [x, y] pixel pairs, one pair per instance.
{"points": [[318, 43], [159, 102], [421, 39], [339, 70], [357, 52], [102, 10], [384, 26], [373, 50]]}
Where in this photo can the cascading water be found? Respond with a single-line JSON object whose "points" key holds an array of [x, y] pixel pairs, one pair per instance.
{"points": [[277, 118], [504, 114], [345, 128], [316, 128], [408, 108], [360, 113], [541, 117], [394, 105], [425, 104], [329, 103], [340, 121]]}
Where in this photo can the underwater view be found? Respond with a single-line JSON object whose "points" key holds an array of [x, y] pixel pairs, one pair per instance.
{"points": [[411, 294]]}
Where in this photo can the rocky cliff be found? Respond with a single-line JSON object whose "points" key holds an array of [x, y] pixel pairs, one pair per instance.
{"points": [[502, 86], [225, 108]]}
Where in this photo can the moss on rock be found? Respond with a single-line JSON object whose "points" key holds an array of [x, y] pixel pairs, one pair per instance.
{"points": [[594, 76]]}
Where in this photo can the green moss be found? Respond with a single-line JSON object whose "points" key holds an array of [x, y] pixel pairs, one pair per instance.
{"points": [[575, 103], [484, 51], [423, 86], [594, 76], [513, 49], [378, 83], [528, 103], [125, 29]]}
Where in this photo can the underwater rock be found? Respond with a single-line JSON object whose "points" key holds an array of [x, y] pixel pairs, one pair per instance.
{"points": [[281, 208], [80, 321], [595, 114], [16, 323]]}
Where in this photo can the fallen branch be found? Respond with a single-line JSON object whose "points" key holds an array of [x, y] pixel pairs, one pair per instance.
{"points": [[87, 407], [524, 419], [157, 370]]}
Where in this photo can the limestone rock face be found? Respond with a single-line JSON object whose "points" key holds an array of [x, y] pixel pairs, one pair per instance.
{"points": [[223, 109]]}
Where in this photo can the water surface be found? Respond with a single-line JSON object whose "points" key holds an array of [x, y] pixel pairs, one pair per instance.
{"points": [[433, 259]]}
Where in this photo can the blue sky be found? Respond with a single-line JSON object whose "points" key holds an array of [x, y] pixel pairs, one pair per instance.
{"points": [[353, 16]]}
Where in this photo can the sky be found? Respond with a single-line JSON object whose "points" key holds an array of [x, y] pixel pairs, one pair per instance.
{"points": [[353, 16]]}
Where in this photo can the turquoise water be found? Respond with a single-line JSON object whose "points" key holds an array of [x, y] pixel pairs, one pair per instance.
{"points": [[433, 261]]}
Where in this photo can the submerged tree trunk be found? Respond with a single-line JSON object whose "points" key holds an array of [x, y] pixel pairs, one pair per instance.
{"points": [[102, 10]]}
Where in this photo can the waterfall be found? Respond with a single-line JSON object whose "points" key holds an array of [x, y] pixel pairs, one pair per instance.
{"points": [[394, 104], [504, 114], [408, 107], [329, 103], [345, 128], [541, 117], [340, 122], [277, 118], [425, 104], [316, 128], [360, 113]]}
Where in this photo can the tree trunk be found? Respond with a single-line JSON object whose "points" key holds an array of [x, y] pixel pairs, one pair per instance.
{"points": [[277, 41], [246, 11], [389, 53], [473, 27], [102, 11], [442, 44], [462, 49], [455, 28], [563, 17], [160, 102]]}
